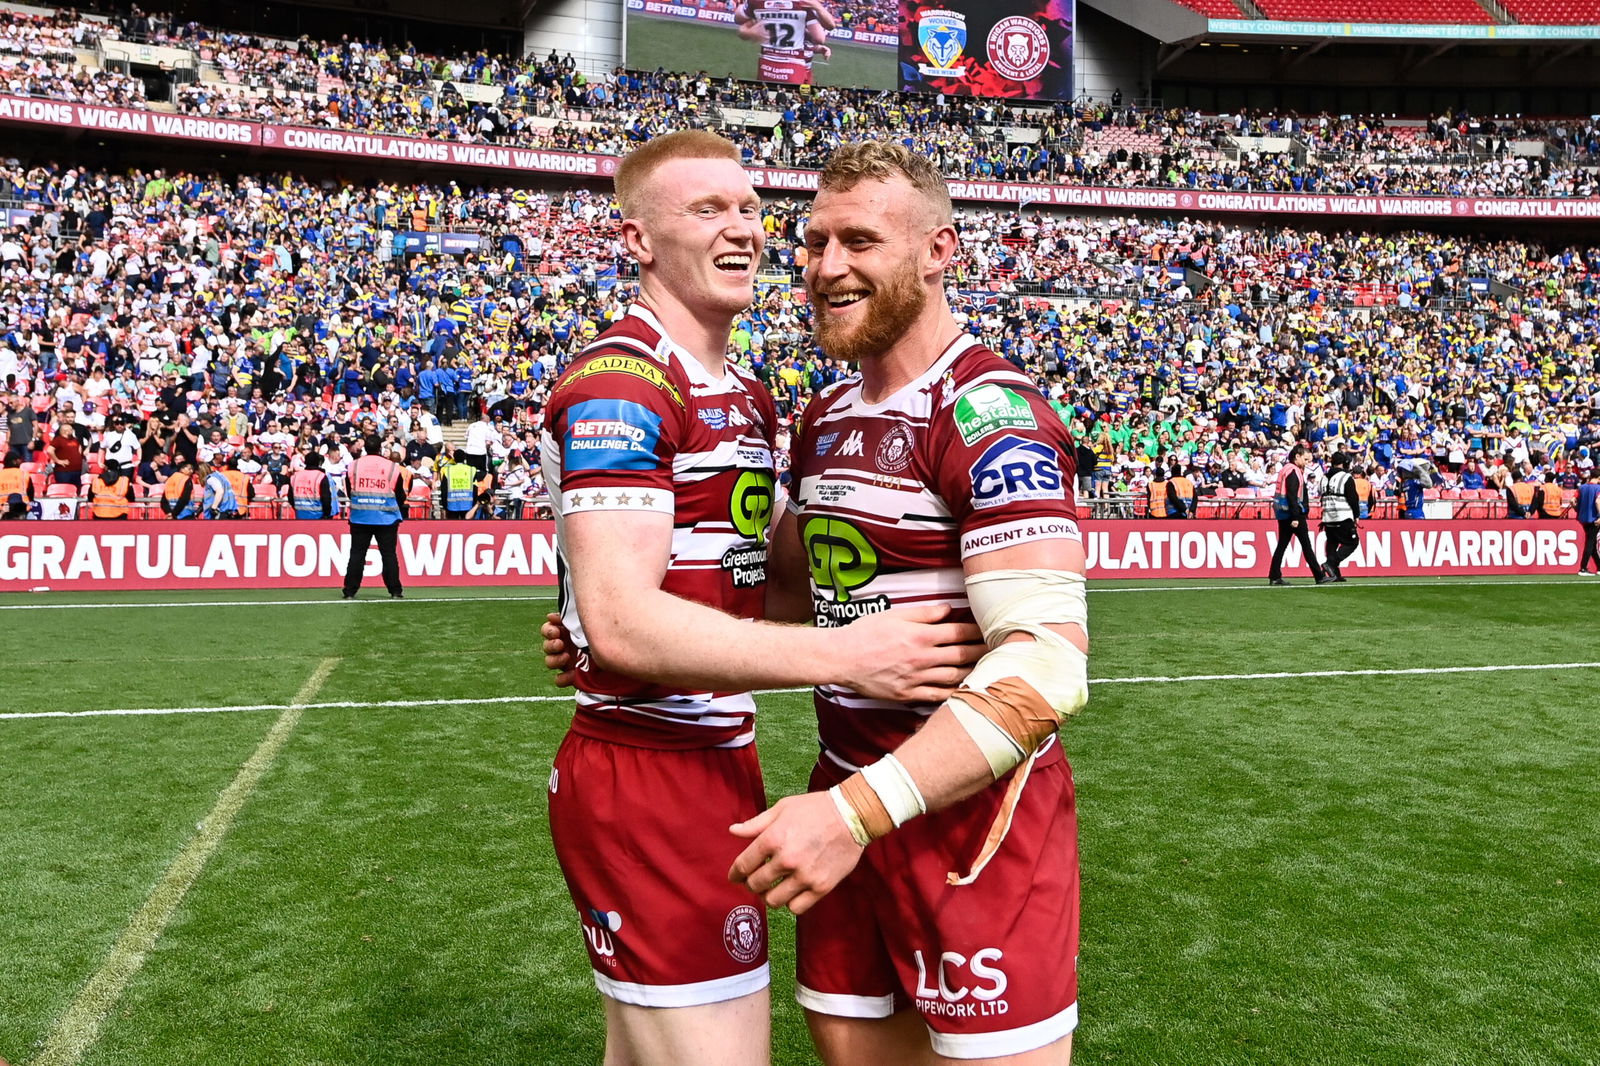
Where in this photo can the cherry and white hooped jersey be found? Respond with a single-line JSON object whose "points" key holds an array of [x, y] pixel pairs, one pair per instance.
{"points": [[786, 53], [637, 423], [890, 498]]}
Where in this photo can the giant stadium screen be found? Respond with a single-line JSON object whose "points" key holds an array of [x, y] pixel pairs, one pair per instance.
{"points": [[1004, 48]]}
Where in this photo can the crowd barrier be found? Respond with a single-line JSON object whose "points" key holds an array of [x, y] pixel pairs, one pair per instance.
{"points": [[103, 556]]}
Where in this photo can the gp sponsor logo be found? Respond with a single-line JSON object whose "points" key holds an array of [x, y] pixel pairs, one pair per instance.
{"points": [[744, 933], [956, 986], [611, 435], [825, 442], [714, 417], [1014, 470], [841, 560], [751, 504], [990, 408], [750, 510], [633, 366], [1026, 531]]}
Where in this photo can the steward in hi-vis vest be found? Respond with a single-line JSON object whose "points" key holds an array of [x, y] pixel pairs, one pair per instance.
{"points": [[111, 493], [311, 492], [377, 493], [177, 495]]}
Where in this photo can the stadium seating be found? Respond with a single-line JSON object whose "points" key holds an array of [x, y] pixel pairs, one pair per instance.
{"points": [[1555, 12], [1428, 11], [1217, 9]]}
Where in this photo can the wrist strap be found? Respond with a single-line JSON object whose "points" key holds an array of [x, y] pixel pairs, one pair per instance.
{"points": [[877, 799]]}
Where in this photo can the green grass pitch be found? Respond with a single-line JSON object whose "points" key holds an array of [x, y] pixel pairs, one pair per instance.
{"points": [[720, 51], [1378, 869]]}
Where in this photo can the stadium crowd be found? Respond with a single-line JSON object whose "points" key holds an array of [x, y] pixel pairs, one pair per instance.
{"points": [[255, 320], [548, 102]]}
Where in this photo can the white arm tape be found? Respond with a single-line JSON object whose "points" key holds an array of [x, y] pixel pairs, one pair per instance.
{"points": [[900, 795], [1025, 601]]}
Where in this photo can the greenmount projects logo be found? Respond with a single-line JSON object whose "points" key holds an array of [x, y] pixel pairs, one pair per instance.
{"points": [[842, 560]]}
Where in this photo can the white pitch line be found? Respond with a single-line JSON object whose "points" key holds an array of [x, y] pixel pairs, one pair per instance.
{"points": [[1398, 672], [492, 700], [79, 1028], [1260, 585]]}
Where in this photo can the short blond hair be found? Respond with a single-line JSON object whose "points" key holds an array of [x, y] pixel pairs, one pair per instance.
{"points": [[633, 175], [859, 161]]}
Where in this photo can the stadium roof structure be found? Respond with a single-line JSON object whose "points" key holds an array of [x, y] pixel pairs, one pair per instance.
{"points": [[1171, 22], [1179, 28]]}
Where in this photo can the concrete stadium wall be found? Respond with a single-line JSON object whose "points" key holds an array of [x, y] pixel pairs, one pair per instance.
{"points": [[1111, 55], [590, 29]]}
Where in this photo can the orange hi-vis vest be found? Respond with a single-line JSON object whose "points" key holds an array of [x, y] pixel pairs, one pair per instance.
{"points": [[177, 487], [241, 487], [1185, 489], [1523, 492], [1553, 503], [13, 479], [1158, 499], [109, 500]]}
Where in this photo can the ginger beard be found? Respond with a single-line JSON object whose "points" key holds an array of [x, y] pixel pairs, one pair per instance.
{"points": [[865, 331]]}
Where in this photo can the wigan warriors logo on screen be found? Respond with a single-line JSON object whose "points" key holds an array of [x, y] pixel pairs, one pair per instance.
{"points": [[1018, 48]]}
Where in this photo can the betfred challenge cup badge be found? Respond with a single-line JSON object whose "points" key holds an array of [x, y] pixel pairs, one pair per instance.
{"points": [[943, 37], [1018, 48]]}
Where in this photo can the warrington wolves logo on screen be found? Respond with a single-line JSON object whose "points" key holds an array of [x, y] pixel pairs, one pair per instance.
{"points": [[943, 36]]}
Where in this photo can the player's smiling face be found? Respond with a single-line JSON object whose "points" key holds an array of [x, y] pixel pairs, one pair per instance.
{"points": [[864, 275], [704, 233]]}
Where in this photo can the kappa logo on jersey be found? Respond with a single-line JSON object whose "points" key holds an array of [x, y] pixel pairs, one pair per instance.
{"points": [[744, 933], [988, 409], [841, 560], [1014, 470], [611, 435], [736, 417], [715, 417], [598, 927], [825, 442], [894, 450], [854, 444]]}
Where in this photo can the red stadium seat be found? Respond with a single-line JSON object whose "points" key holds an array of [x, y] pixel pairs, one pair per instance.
{"points": [[419, 502], [63, 491], [1435, 11], [266, 504], [1555, 12], [1216, 9]]}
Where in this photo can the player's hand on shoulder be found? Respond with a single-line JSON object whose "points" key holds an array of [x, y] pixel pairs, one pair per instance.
{"points": [[910, 654], [558, 654], [801, 850]]}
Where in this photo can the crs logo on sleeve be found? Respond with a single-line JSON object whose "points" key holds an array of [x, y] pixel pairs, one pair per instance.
{"points": [[1013, 470], [611, 435]]}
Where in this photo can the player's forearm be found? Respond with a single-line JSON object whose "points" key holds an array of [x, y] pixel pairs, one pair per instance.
{"points": [[944, 761], [654, 635]]}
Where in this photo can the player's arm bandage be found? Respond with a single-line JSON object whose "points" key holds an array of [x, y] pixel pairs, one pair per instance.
{"points": [[877, 799], [1017, 694]]}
